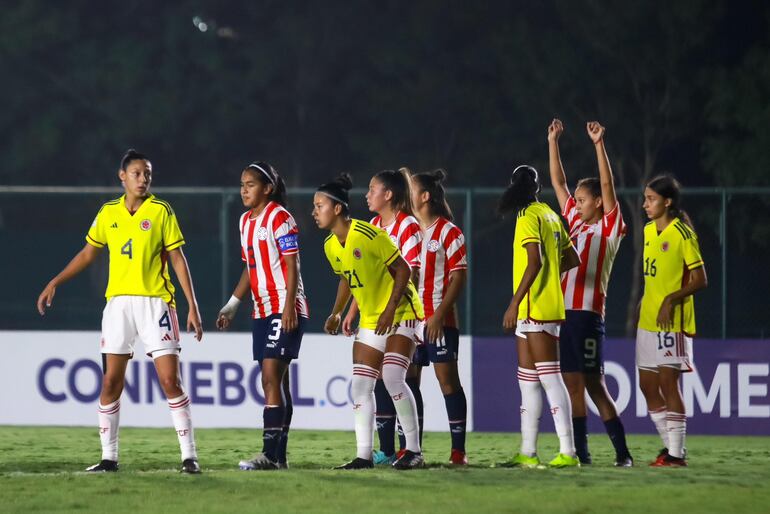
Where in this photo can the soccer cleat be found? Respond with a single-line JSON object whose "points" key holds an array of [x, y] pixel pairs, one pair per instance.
{"points": [[190, 466], [563, 460], [357, 463], [283, 465], [585, 459], [458, 458], [661, 455], [260, 461], [669, 461], [104, 466], [524, 461], [624, 461], [409, 460], [380, 459], [400, 453]]}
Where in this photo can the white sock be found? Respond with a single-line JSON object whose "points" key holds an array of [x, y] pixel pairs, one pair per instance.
{"points": [[109, 426], [394, 366], [561, 408], [531, 409], [362, 393], [658, 417], [181, 416], [676, 425]]}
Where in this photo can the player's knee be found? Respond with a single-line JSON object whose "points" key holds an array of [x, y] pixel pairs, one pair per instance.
{"points": [[171, 385], [112, 385], [448, 382]]}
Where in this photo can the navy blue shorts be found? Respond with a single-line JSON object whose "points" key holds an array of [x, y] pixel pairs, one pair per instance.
{"points": [[420, 356], [581, 342], [445, 350], [270, 342]]}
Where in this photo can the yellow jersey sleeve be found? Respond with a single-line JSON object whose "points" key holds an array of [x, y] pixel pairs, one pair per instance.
{"points": [[96, 235], [528, 226], [331, 255], [691, 252], [172, 234], [384, 248]]}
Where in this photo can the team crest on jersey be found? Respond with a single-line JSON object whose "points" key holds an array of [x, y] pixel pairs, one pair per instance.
{"points": [[145, 225], [262, 233], [664, 246], [433, 245], [357, 253]]}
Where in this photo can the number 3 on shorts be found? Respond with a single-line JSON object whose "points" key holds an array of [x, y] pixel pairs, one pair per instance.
{"points": [[276, 333]]}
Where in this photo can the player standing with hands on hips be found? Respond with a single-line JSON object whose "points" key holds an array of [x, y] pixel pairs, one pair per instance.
{"points": [[142, 234], [371, 268], [673, 271], [541, 252], [596, 227], [270, 251]]}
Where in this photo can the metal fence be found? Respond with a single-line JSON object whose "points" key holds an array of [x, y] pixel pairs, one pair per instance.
{"points": [[42, 228]]}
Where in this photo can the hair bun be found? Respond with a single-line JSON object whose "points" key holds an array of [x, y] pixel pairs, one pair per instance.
{"points": [[439, 174], [344, 181]]}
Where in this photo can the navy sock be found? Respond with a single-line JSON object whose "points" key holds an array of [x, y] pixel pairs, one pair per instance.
{"points": [[457, 412], [414, 386], [581, 439], [271, 433], [618, 436], [386, 418], [288, 413]]}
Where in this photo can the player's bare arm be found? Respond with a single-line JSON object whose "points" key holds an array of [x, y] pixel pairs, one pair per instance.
{"points": [[350, 318], [182, 271], [534, 263], [227, 312], [81, 261], [698, 281], [558, 177], [332, 323], [289, 316], [596, 133], [401, 276], [435, 324], [569, 259]]}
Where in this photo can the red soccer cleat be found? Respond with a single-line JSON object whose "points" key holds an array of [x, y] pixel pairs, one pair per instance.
{"points": [[458, 458], [662, 454], [670, 461], [400, 453]]}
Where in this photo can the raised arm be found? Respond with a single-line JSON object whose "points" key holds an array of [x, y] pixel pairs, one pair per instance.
{"points": [[596, 133], [78, 263], [182, 271], [558, 178]]}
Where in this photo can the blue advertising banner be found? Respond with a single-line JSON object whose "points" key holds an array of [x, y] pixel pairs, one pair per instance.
{"points": [[727, 393]]}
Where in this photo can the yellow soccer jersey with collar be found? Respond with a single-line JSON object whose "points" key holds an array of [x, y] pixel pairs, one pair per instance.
{"points": [[537, 223], [138, 247], [668, 259], [363, 262]]}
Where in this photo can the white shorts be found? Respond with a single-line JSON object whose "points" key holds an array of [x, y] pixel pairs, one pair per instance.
{"points": [[524, 325], [663, 349], [406, 328], [128, 319]]}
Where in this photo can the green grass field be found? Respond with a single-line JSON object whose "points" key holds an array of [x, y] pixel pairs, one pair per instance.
{"points": [[41, 471]]}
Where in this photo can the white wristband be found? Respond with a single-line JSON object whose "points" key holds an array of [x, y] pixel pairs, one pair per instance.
{"points": [[230, 307]]}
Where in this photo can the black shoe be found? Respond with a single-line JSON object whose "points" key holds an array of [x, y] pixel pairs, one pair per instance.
{"points": [[357, 463], [104, 466], [190, 466], [624, 461], [409, 460], [585, 460]]}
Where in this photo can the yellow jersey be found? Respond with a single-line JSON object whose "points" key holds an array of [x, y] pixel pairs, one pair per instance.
{"points": [[363, 261], [138, 246], [668, 259], [537, 223]]}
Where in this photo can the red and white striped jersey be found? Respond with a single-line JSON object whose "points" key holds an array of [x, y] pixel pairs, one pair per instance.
{"points": [[442, 252], [585, 287], [406, 234], [264, 242]]}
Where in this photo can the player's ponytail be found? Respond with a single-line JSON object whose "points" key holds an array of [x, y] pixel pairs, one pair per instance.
{"points": [[338, 190], [432, 182], [131, 155], [522, 191], [398, 183], [670, 188], [267, 175]]}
